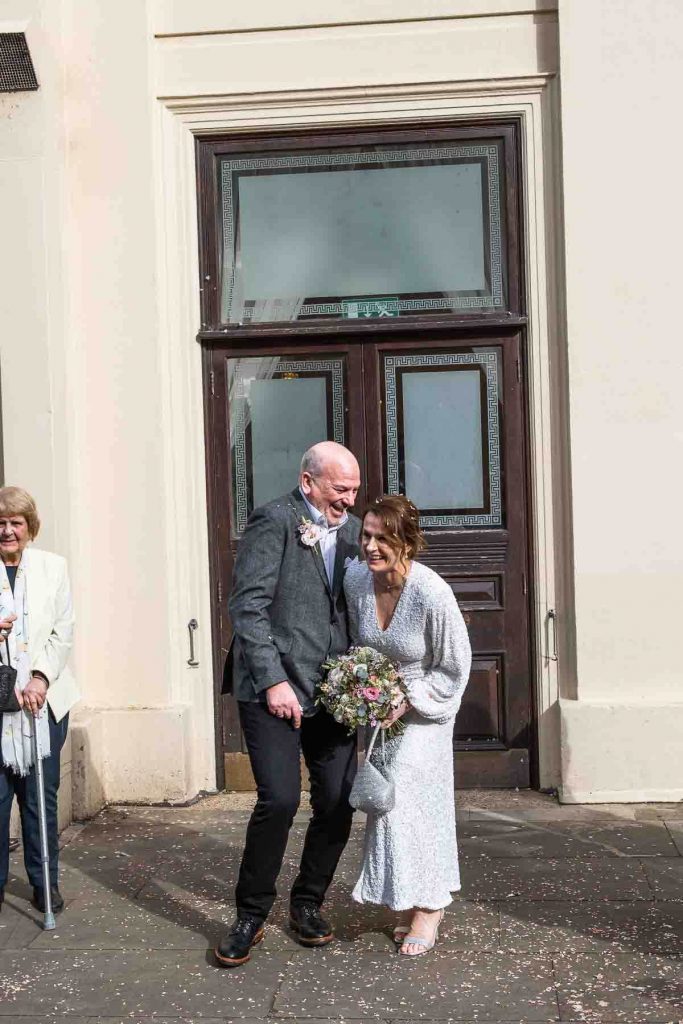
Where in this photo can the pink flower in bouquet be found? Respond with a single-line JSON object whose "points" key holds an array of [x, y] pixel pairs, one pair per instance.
{"points": [[371, 693]]}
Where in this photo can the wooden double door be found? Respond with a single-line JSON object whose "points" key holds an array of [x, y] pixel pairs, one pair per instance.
{"points": [[439, 418]]}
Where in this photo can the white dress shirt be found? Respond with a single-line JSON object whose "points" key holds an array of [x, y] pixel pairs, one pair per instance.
{"points": [[328, 541]]}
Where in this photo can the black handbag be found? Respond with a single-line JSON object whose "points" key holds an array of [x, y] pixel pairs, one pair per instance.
{"points": [[8, 682]]}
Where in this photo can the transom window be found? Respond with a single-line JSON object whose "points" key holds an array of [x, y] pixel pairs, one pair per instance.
{"points": [[362, 232]]}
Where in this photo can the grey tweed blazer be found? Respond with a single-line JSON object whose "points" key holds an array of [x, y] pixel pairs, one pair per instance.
{"points": [[286, 618]]}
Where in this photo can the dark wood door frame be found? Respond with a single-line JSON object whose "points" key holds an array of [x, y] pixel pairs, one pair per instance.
{"points": [[363, 380], [479, 328]]}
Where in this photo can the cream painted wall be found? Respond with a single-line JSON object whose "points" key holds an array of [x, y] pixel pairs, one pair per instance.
{"points": [[26, 293], [116, 448], [178, 18], [81, 380], [97, 179], [621, 85], [494, 66]]}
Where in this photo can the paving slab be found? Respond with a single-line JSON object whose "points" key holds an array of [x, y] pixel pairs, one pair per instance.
{"points": [[45, 1020], [565, 839], [534, 879], [478, 985], [675, 829], [158, 984], [551, 928], [150, 891], [19, 923], [665, 877], [619, 987], [109, 922]]}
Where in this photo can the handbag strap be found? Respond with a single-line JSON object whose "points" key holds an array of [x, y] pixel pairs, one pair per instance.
{"points": [[368, 752], [9, 660]]}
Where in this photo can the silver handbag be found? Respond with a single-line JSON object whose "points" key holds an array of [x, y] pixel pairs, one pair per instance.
{"points": [[372, 792]]}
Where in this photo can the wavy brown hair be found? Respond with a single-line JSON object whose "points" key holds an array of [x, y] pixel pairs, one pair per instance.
{"points": [[401, 521]]}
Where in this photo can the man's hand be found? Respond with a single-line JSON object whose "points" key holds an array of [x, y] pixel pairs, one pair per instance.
{"points": [[33, 695], [396, 714], [284, 703]]}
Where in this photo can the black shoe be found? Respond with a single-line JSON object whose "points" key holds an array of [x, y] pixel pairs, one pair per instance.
{"points": [[38, 900], [13, 844], [2, 897], [308, 925], [235, 948]]}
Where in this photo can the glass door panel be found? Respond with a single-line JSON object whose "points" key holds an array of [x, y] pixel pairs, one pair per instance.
{"points": [[362, 232], [442, 427], [278, 407]]}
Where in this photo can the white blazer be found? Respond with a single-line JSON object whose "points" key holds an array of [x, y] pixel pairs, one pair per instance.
{"points": [[50, 626]]}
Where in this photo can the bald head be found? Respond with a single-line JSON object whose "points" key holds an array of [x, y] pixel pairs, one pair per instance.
{"points": [[330, 478]]}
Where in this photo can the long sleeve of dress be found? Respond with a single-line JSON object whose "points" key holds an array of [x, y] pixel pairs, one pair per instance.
{"points": [[435, 690]]}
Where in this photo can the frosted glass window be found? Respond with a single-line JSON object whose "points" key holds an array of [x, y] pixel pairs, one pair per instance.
{"points": [[386, 232], [287, 417], [442, 440], [278, 408], [443, 445], [365, 233]]}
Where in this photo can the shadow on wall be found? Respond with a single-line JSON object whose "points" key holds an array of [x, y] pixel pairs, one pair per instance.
{"points": [[86, 774]]}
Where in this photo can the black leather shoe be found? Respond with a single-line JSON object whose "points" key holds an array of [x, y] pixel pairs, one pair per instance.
{"points": [[309, 926], [38, 900], [234, 949], [13, 844], [2, 897]]}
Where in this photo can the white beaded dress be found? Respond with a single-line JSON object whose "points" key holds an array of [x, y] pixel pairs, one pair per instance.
{"points": [[410, 856]]}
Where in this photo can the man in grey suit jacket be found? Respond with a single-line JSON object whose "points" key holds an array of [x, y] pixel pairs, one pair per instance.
{"points": [[288, 615]]}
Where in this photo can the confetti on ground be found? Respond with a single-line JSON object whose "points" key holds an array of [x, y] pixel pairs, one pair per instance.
{"points": [[566, 914]]}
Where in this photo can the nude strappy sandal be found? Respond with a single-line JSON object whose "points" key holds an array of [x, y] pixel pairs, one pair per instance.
{"points": [[399, 933], [419, 941]]}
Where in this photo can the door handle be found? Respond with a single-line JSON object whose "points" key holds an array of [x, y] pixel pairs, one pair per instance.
{"points": [[551, 628], [191, 627]]}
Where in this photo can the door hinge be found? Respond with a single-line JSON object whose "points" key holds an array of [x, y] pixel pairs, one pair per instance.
{"points": [[525, 589], [220, 593], [519, 371], [212, 383]]}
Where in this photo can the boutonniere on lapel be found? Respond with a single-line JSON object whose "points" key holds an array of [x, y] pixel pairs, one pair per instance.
{"points": [[310, 534]]}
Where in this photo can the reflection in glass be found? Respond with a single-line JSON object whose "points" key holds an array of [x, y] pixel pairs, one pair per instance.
{"points": [[316, 234], [278, 408], [443, 437]]}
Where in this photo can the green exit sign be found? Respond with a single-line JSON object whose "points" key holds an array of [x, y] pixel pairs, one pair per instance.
{"points": [[359, 309]]}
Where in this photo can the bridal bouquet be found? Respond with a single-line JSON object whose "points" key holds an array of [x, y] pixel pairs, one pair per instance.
{"points": [[362, 687]]}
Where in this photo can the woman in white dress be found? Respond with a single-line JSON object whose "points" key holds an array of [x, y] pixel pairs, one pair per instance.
{"points": [[405, 610]]}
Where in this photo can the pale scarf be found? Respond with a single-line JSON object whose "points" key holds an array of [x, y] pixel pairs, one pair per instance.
{"points": [[17, 753]]}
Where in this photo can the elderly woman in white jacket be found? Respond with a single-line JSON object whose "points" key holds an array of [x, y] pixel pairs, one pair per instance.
{"points": [[36, 618]]}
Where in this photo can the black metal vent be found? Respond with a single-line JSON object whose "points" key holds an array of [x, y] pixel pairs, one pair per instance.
{"points": [[16, 67]]}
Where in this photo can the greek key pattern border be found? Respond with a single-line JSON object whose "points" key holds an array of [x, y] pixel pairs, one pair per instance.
{"points": [[335, 369], [489, 361], [304, 160]]}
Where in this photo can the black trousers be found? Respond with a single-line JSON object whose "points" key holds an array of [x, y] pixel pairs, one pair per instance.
{"points": [[24, 788], [274, 749]]}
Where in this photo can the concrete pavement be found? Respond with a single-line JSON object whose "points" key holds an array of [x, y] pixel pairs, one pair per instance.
{"points": [[566, 914]]}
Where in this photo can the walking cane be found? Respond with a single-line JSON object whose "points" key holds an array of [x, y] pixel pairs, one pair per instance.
{"points": [[49, 917]]}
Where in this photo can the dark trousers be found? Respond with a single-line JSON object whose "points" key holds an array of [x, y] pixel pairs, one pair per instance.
{"points": [[274, 749], [24, 788]]}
